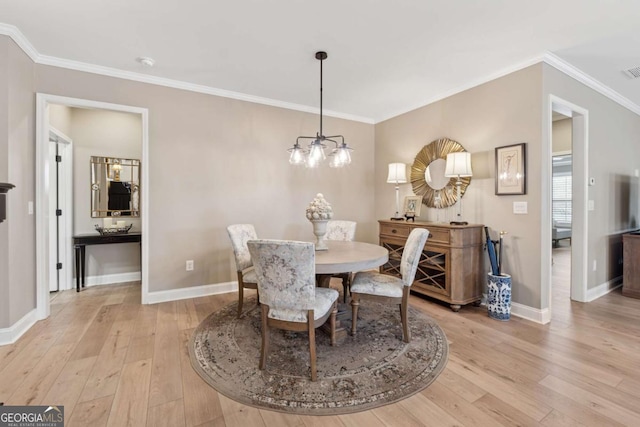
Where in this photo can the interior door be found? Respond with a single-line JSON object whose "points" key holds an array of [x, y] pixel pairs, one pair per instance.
{"points": [[60, 211]]}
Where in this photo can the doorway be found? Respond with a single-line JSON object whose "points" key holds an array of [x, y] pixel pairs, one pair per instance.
{"points": [[572, 233], [561, 213], [60, 202], [45, 193]]}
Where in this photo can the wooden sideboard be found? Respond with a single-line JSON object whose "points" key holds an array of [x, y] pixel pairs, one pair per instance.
{"points": [[451, 265], [631, 265]]}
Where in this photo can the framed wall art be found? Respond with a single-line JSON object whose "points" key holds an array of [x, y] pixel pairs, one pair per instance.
{"points": [[511, 169]]}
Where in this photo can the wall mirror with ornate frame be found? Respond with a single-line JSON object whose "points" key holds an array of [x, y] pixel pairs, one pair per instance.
{"points": [[115, 187], [427, 174]]}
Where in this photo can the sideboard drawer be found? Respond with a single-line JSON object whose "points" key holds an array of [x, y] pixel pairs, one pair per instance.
{"points": [[438, 235], [400, 230]]}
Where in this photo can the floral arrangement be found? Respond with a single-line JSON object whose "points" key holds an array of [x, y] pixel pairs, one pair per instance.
{"points": [[319, 208]]}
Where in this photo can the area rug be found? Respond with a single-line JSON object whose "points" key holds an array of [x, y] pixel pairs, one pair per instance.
{"points": [[372, 369]]}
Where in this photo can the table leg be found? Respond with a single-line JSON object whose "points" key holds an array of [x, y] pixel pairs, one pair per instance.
{"points": [[77, 251], [83, 251]]}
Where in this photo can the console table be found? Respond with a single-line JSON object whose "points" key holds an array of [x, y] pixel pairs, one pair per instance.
{"points": [[82, 240], [450, 267], [631, 265]]}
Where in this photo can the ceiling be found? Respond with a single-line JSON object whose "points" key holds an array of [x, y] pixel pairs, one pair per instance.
{"points": [[385, 57]]}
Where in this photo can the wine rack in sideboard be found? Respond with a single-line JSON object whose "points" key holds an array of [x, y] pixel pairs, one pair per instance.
{"points": [[450, 267]]}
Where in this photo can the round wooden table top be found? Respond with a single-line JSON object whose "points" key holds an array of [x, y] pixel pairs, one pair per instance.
{"points": [[343, 257]]}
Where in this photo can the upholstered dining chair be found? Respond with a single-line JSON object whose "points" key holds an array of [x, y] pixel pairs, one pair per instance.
{"points": [[289, 297], [240, 234], [345, 231], [391, 289]]}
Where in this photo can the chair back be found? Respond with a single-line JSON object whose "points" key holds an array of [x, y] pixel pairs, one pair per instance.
{"points": [[341, 230], [286, 273], [240, 234], [411, 254]]}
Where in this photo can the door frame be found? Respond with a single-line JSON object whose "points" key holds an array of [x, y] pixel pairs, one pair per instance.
{"points": [[43, 165], [66, 183], [579, 211]]}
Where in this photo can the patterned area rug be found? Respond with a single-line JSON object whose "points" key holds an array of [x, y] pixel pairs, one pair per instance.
{"points": [[373, 369]]}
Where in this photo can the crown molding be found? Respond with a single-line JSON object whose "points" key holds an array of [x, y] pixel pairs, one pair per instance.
{"points": [[548, 58], [27, 47], [177, 84], [579, 75], [20, 39]]}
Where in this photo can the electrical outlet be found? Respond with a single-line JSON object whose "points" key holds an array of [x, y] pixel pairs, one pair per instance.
{"points": [[189, 265]]}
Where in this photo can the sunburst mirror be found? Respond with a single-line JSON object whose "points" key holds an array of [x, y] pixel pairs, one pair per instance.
{"points": [[427, 174]]}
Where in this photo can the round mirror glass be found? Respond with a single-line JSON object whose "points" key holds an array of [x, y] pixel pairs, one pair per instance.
{"points": [[434, 174], [427, 174]]}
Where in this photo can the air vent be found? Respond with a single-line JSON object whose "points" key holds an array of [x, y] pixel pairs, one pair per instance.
{"points": [[634, 72]]}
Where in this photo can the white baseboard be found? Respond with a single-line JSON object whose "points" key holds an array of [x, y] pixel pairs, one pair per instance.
{"points": [[192, 292], [12, 333], [537, 315], [108, 279], [603, 289]]}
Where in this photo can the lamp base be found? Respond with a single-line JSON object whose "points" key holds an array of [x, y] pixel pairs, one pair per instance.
{"points": [[459, 223], [395, 218]]}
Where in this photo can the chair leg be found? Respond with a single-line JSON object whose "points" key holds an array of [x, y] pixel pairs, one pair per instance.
{"points": [[406, 333], [332, 323], [265, 337], [240, 298], [355, 304], [312, 346]]}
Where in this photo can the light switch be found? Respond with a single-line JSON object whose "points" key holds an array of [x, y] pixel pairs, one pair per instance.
{"points": [[30, 208], [520, 208], [591, 206]]}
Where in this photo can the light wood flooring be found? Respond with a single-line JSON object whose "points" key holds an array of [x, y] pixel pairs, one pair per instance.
{"points": [[113, 362]]}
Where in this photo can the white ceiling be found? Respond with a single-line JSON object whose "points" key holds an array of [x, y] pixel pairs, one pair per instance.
{"points": [[385, 57]]}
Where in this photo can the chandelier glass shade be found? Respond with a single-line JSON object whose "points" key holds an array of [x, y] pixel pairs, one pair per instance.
{"points": [[313, 155]]}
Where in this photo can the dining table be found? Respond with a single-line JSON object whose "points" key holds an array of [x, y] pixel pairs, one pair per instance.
{"points": [[346, 257]]}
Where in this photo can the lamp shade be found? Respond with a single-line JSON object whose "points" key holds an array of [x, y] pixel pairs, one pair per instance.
{"points": [[458, 164], [397, 173]]}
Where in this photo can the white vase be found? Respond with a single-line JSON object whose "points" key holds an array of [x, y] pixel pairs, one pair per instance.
{"points": [[319, 230]]}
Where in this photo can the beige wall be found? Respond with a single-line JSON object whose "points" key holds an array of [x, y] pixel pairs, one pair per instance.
{"points": [[502, 112], [561, 136], [60, 118], [99, 133], [613, 156], [215, 161], [17, 233], [108, 134]]}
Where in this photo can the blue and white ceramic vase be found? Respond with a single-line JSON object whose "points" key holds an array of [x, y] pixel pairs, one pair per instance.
{"points": [[499, 296]]}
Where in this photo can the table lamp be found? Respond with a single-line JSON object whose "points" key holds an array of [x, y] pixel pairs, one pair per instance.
{"points": [[397, 175], [458, 165]]}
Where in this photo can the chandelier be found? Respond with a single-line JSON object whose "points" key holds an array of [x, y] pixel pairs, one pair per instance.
{"points": [[315, 154]]}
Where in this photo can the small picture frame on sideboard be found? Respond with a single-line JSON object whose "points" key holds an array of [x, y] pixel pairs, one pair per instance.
{"points": [[412, 206]]}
